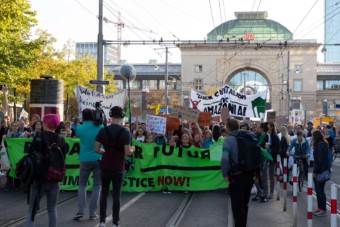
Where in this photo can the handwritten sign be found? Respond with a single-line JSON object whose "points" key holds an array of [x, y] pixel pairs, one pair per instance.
{"points": [[185, 113], [87, 98], [155, 124], [204, 119]]}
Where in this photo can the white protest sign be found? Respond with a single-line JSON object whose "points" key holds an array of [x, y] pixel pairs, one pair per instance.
{"points": [[87, 98], [155, 124], [239, 105]]}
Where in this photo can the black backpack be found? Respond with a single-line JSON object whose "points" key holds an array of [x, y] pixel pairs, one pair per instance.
{"points": [[55, 160], [30, 168], [249, 153]]}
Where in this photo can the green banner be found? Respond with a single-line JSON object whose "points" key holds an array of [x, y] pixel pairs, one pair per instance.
{"points": [[156, 167]]}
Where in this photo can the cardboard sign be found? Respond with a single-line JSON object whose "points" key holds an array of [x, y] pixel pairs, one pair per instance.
{"points": [[172, 123], [204, 119], [270, 116], [185, 113]]}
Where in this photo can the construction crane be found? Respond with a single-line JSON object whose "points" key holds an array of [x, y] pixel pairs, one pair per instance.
{"points": [[120, 25]]}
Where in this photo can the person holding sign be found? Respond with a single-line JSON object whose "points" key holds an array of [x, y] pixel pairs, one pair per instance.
{"points": [[116, 141]]}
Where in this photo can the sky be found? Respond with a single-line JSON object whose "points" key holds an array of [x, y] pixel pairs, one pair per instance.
{"points": [[76, 20]]}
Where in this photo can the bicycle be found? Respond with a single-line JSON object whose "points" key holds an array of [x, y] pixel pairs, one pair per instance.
{"points": [[300, 172], [336, 150]]}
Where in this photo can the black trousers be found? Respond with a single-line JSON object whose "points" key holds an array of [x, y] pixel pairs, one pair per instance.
{"points": [[239, 189], [116, 177]]}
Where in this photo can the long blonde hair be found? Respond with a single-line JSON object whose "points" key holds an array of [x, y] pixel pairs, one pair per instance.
{"points": [[284, 133]]}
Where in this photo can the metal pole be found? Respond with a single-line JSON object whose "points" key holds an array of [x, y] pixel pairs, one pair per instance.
{"points": [[129, 106], [295, 185], [288, 95], [278, 173], [166, 81], [285, 184], [333, 205], [310, 199], [100, 52]]}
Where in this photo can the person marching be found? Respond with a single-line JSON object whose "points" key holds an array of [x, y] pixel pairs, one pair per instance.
{"points": [[116, 141], [46, 185], [89, 163]]}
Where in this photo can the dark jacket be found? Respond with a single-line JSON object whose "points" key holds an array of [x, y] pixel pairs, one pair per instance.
{"points": [[320, 157], [283, 147], [275, 146]]}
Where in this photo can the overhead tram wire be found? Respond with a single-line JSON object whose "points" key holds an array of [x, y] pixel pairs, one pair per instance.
{"points": [[84, 7], [303, 19], [257, 10], [321, 21], [219, 5], [212, 14], [225, 13], [115, 13], [157, 20], [110, 9]]}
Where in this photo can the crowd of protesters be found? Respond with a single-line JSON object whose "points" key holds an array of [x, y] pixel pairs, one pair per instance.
{"points": [[287, 142]]}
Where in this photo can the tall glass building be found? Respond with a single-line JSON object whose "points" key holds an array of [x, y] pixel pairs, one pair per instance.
{"points": [[89, 49], [332, 31]]}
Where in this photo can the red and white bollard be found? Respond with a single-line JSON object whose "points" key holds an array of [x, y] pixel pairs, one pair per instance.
{"points": [[334, 189], [310, 199], [295, 186], [285, 184], [278, 174]]}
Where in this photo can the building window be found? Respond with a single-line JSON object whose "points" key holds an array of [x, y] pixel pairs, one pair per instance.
{"points": [[298, 69], [319, 85], [198, 84], [198, 68], [297, 85], [150, 84], [333, 84]]}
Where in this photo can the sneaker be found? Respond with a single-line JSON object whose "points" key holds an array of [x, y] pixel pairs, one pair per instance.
{"points": [[256, 198], [78, 216], [321, 213], [93, 217], [114, 225], [102, 224], [316, 211], [263, 200]]}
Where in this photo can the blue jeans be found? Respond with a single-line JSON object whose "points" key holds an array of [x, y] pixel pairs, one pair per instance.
{"points": [[116, 177], [85, 170], [51, 189], [320, 194]]}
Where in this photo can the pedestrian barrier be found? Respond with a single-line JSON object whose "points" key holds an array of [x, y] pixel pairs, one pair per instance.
{"points": [[278, 174], [334, 192], [285, 184], [310, 199], [295, 186]]}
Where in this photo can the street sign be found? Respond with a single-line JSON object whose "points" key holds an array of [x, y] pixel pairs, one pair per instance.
{"points": [[100, 82]]}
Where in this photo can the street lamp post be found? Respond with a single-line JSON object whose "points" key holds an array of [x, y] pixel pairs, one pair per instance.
{"points": [[128, 72]]}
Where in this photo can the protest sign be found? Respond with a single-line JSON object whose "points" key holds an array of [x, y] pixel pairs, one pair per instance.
{"points": [[87, 98], [172, 123], [270, 116], [185, 113], [156, 166], [239, 105], [204, 119], [155, 124]]}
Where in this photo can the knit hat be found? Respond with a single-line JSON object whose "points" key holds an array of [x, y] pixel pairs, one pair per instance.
{"points": [[52, 121]]}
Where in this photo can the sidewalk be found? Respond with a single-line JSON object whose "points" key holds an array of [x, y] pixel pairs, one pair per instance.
{"points": [[268, 214]]}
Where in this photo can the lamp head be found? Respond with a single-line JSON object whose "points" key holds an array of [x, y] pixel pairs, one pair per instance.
{"points": [[128, 72]]}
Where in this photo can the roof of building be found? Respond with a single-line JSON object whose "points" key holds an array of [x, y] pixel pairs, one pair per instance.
{"points": [[250, 26], [149, 71]]}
